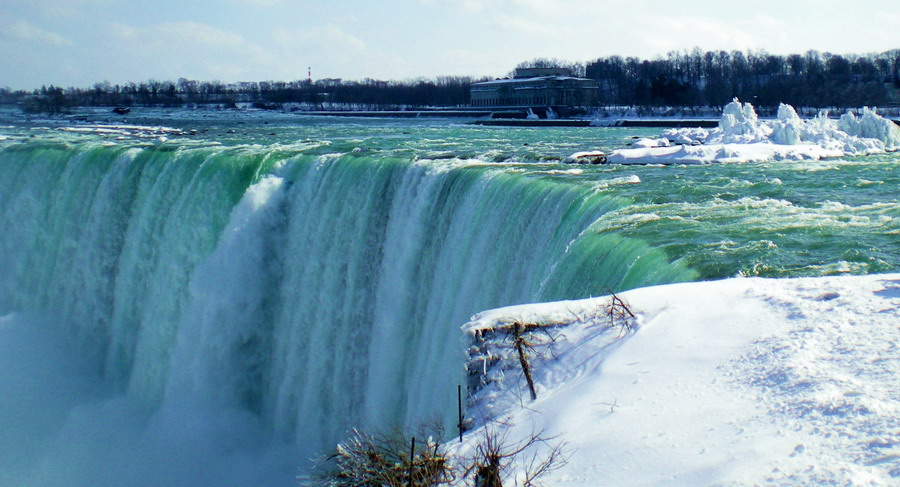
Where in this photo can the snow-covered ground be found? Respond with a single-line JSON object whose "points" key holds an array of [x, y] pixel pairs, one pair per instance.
{"points": [[742, 137], [745, 381]]}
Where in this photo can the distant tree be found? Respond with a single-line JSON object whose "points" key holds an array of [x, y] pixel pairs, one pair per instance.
{"points": [[715, 77], [668, 91], [577, 69], [50, 100], [686, 78]]}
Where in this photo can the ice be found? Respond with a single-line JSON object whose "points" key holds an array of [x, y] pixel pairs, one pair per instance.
{"points": [[740, 125], [742, 137], [871, 126], [725, 153], [645, 143], [586, 157], [788, 128]]}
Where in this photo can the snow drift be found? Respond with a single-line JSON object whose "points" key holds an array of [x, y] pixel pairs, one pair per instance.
{"points": [[745, 381]]}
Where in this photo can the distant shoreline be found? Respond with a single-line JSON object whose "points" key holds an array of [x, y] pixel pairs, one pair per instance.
{"points": [[490, 118]]}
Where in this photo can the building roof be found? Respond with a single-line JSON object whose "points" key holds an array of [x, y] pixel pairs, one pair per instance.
{"points": [[528, 80]]}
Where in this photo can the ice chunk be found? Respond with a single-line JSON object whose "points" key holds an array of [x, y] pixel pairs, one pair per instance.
{"points": [[740, 125], [687, 136], [649, 143], [787, 129], [872, 126], [586, 157], [742, 136]]}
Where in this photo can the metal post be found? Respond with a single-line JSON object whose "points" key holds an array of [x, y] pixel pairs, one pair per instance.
{"points": [[412, 456], [459, 411]]}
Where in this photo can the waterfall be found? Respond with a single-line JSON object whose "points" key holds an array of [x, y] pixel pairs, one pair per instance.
{"points": [[312, 293]]}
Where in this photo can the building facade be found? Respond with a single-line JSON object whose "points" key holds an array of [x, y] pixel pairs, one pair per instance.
{"points": [[536, 87]]}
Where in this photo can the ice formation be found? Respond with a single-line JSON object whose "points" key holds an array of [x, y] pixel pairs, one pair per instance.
{"points": [[742, 137]]}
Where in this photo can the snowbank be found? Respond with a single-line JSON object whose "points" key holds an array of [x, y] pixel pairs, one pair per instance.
{"points": [[742, 137], [737, 382]]}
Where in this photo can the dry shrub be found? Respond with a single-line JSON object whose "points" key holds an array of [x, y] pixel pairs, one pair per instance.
{"points": [[619, 314], [395, 460], [378, 460], [496, 457]]}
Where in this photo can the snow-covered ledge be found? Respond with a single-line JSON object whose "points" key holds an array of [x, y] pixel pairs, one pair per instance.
{"points": [[738, 382]]}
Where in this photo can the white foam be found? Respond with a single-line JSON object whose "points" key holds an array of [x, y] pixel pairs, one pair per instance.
{"points": [[123, 131]]}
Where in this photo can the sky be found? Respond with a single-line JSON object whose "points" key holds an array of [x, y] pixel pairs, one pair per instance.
{"points": [[82, 42]]}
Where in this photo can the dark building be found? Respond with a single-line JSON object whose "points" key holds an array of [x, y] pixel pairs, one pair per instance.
{"points": [[536, 87]]}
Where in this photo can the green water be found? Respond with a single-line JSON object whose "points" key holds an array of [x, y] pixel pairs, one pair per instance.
{"points": [[775, 219]]}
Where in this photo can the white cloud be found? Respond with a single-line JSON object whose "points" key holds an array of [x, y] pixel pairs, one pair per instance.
{"points": [[468, 6], [663, 34], [179, 36], [774, 32], [469, 62], [174, 49], [196, 32], [58, 8], [259, 3], [334, 53], [525, 26], [25, 31], [544, 7], [329, 36]]}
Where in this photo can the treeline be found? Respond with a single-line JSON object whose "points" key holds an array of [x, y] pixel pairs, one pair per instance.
{"points": [[687, 79], [714, 78], [321, 94]]}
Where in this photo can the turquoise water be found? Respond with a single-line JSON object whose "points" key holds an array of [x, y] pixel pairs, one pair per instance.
{"points": [[774, 219], [301, 276]]}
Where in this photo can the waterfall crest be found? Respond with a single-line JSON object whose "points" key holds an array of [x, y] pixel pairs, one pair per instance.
{"points": [[316, 292]]}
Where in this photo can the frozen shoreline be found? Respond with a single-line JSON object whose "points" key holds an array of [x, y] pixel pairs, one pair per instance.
{"points": [[742, 137], [741, 381]]}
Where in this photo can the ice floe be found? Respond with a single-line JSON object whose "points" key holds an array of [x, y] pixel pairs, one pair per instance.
{"points": [[742, 137]]}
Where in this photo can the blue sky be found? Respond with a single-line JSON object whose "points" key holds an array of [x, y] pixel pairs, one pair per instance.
{"points": [[80, 42]]}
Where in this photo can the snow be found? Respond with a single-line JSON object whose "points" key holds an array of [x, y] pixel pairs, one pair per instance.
{"points": [[744, 381], [650, 143], [706, 154], [742, 137], [525, 80], [591, 157]]}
